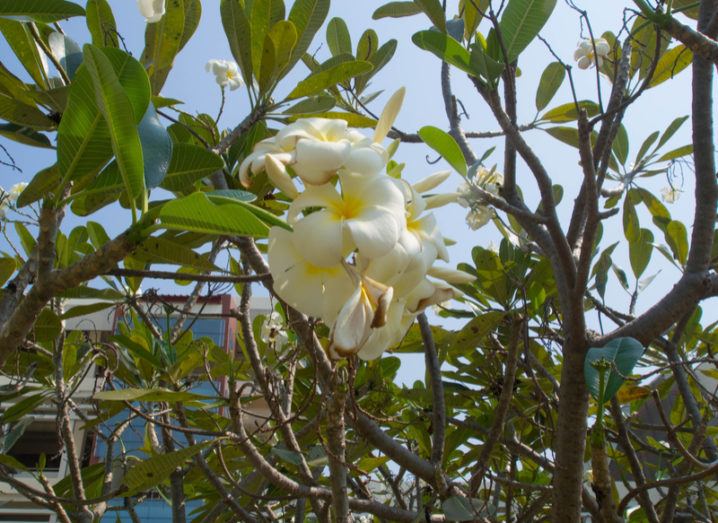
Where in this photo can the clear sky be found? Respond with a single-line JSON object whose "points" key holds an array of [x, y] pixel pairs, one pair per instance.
{"points": [[418, 71]]}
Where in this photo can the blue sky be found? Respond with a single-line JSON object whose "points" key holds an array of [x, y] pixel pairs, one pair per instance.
{"points": [[418, 71]]}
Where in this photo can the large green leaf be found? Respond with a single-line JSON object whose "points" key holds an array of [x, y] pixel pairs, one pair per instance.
{"points": [[117, 110], [551, 79], [307, 16], [569, 112], [677, 239], [259, 22], [22, 43], [445, 145], [284, 36], [132, 394], [158, 249], [622, 355], [521, 22], [639, 252], [317, 82], [378, 59], [47, 327], [397, 10], [149, 473], [446, 48], [189, 163], [197, 213], [40, 10], [156, 148], [236, 26], [162, 43], [101, 23], [83, 143]]}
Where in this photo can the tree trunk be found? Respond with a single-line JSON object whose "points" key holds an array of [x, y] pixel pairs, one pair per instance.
{"points": [[570, 439]]}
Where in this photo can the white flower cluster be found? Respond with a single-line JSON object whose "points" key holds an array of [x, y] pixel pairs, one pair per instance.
{"points": [[670, 194], [479, 213], [8, 198], [362, 251], [589, 53], [226, 73], [152, 10]]}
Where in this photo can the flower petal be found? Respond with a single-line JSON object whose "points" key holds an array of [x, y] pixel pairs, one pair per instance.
{"points": [[375, 233], [315, 196], [388, 115], [318, 238], [432, 181], [317, 161], [277, 173]]}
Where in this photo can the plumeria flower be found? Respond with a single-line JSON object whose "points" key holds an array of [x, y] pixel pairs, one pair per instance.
{"points": [[479, 213], [16, 190], [479, 216], [152, 10], [272, 331], [670, 194], [365, 310], [368, 215], [398, 321], [585, 55], [226, 73], [316, 291]]}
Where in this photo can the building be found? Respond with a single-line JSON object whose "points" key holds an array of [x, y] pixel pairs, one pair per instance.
{"points": [[210, 318]]}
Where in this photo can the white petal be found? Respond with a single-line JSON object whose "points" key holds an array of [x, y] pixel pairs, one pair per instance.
{"points": [[584, 62], [317, 161], [375, 233], [451, 275], [602, 47], [277, 173], [439, 200], [318, 237], [432, 181], [388, 115], [353, 325], [315, 196], [365, 160]]}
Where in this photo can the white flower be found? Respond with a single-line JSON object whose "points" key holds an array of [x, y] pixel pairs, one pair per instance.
{"points": [[272, 331], [368, 215], [226, 73], [670, 194], [317, 291], [16, 190], [152, 10], [585, 55], [479, 216]]}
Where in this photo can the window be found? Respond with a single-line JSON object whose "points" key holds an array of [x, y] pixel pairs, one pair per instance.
{"points": [[39, 438]]}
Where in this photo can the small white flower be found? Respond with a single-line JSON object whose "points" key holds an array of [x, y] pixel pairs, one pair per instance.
{"points": [[226, 73], [152, 10], [16, 190], [670, 194], [479, 216], [585, 55], [272, 331]]}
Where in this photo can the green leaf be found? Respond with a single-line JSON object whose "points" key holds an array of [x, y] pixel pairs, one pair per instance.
{"points": [[134, 394], [434, 11], [66, 51], [197, 213], [47, 326], [445, 145], [149, 473], [40, 10], [671, 130], [670, 64], [650, 140], [622, 354], [236, 26], [284, 36], [25, 135], [101, 23], [12, 463], [631, 226], [643, 51], [189, 164], [315, 104], [115, 106], [338, 38], [7, 268], [83, 143], [22, 114], [307, 16], [639, 252], [458, 508], [551, 79], [378, 60], [677, 239], [396, 10], [521, 22], [483, 64], [473, 12], [569, 112], [22, 43], [165, 39], [317, 82], [446, 48], [620, 145], [156, 147], [83, 310], [157, 249], [267, 68], [684, 150], [16, 432]]}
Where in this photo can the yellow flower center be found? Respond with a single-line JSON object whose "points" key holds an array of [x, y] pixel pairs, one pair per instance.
{"points": [[350, 207]]}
